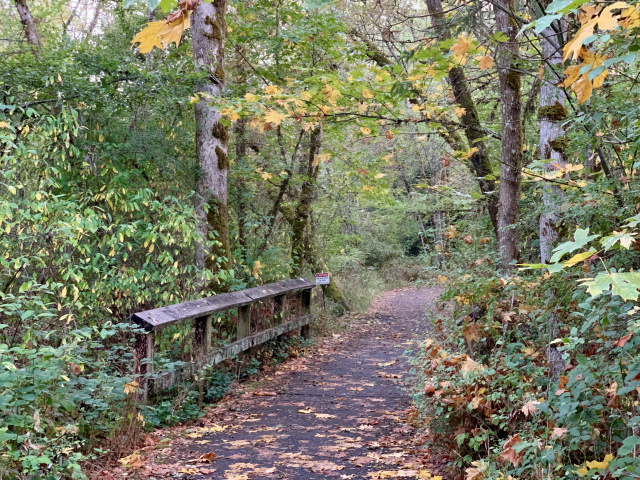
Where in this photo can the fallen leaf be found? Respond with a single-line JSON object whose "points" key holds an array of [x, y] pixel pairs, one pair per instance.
{"points": [[508, 454]]}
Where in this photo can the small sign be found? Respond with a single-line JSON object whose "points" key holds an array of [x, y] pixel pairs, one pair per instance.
{"points": [[322, 278]]}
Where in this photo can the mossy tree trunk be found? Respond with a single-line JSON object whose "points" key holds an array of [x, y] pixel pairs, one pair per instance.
{"points": [[297, 212], [511, 107], [480, 162], [551, 114], [209, 31]]}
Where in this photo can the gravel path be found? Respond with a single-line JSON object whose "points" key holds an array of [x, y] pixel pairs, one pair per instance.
{"points": [[337, 412]]}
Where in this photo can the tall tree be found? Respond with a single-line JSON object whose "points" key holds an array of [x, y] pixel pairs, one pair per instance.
{"points": [[28, 25], [552, 140], [480, 162], [511, 107], [209, 32]]}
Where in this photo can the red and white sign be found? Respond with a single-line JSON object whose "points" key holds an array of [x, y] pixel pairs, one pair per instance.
{"points": [[322, 278]]}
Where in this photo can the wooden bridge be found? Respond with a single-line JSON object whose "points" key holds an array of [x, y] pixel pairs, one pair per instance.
{"points": [[296, 292]]}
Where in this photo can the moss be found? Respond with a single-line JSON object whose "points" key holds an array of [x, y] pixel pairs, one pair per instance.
{"points": [[219, 73], [218, 223], [223, 159], [513, 80], [560, 145], [220, 132], [555, 113], [216, 24]]}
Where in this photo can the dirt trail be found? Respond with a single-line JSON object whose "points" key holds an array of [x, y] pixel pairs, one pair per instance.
{"points": [[338, 412]]}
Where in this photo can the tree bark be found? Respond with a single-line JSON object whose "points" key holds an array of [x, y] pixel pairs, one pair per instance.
{"points": [[552, 140], [511, 158], [29, 25], [209, 31]]}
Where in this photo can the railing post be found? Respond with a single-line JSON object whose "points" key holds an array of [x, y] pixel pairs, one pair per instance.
{"points": [[143, 354], [203, 336], [305, 298], [244, 322], [278, 309]]}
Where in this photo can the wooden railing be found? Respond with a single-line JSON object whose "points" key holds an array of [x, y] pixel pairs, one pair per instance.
{"points": [[200, 311]]}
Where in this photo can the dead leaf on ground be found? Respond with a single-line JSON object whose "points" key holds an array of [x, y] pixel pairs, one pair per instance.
{"points": [[508, 453]]}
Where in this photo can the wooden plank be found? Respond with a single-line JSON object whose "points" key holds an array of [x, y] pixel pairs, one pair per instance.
{"points": [[164, 316], [243, 328], [143, 355], [189, 370]]}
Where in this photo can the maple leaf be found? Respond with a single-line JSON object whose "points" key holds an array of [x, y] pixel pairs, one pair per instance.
{"points": [[508, 453], [461, 48], [321, 158], [161, 34], [558, 432], [583, 89], [274, 117], [271, 89], [530, 408], [472, 332], [130, 387], [460, 112], [367, 94], [207, 457], [485, 62], [471, 366], [332, 94], [132, 460], [365, 130]]}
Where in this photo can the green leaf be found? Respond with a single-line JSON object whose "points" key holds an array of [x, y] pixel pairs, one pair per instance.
{"points": [[581, 238], [625, 239], [545, 22], [564, 6], [626, 285], [167, 5]]}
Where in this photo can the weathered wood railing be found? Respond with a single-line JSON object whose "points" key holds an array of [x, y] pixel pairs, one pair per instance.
{"points": [[201, 312]]}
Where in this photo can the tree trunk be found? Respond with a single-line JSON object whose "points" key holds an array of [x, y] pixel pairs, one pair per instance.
{"points": [[29, 25], [480, 162], [301, 241], [552, 140], [209, 31], [511, 107]]}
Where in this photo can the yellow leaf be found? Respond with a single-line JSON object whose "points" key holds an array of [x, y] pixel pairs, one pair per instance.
{"points": [[367, 188], [606, 20], [160, 34], [419, 76], [130, 387], [379, 175], [305, 411], [602, 464], [266, 175], [365, 130], [573, 47], [469, 153], [530, 408], [306, 96], [460, 48], [4, 125], [250, 97], [583, 88], [331, 94], [321, 158], [471, 366], [63, 293], [485, 62], [573, 73], [257, 268], [367, 94], [582, 470], [274, 117], [460, 112], [577, 258], [442, 279], [271, 89]]}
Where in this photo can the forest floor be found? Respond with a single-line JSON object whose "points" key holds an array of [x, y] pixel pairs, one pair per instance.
{"points": [[339, 411]]}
